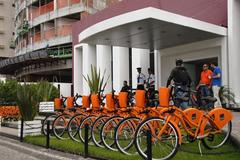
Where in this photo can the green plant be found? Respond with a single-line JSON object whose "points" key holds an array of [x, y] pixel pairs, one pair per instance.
{"points": [[95, 81], [47, 91], [27, 100], [8, 92], [226, 95]]}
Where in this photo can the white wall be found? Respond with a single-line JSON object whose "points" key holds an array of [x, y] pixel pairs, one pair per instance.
{"points": [[78, 70], [233, 46], [103, 60], [120, 67], [140, 58], [65, 88], [88, 59], [189, 52]]}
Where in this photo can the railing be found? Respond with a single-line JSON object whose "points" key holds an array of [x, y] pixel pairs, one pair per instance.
{"points": [[46, 8], [49, 34], [37, 37], [64, 30], [65, 3], [35, 12]]}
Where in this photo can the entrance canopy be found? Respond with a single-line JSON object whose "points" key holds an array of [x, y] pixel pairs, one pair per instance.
{"points": [[149, 34], [148, 27]]}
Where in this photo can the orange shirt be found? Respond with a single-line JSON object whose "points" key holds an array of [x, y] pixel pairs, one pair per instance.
{"points": [[206, 77]]}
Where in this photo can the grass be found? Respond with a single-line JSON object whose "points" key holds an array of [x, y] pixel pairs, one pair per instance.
{"points": [[186, 152]]}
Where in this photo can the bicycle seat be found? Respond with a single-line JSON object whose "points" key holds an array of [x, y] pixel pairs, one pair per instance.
{"points": [[209, 98]]}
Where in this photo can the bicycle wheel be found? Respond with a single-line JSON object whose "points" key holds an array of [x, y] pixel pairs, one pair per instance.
{"points": [[73, 126], [124, 135], [50, 118], [81, 130], [108, 131], [96, 130], [60, 126], [217, 140], [164, 146]]}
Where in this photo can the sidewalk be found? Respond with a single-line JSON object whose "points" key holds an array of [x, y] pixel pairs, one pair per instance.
{"points": [[9, 132], [13, 149], [236, 128]]}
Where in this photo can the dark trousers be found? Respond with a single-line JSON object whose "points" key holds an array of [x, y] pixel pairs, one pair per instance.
{"points": [[140, 87]]}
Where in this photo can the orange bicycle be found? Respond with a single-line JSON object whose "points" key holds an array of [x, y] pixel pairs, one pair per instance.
{"points": [[212, 128]]}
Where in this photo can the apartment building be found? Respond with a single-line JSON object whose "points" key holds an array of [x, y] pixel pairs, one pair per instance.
{"points": [[6, 28], [43, 37]]}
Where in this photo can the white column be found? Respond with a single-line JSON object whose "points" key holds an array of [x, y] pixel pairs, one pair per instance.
{"points": [[104, 64], [77, 70], [233, 46], [89, 58], [157, 68], [55, 4], [140, 58], [120, 67], [223, 61]]}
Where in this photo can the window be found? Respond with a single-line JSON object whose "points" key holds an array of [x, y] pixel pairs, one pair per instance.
{"points": [[1, 46]]}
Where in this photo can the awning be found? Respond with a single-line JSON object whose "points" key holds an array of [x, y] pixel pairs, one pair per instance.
{"points": [[10, 65]]}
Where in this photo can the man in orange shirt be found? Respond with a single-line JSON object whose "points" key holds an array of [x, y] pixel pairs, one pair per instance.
{"points": [[205, 82]]}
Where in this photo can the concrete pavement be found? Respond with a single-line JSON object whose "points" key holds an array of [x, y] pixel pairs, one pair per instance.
{"points": [[236, 128], [11, 149]]}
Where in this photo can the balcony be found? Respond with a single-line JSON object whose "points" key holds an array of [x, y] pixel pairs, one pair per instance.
{"points": [[35, 12], [64, 3], [51, 37]]}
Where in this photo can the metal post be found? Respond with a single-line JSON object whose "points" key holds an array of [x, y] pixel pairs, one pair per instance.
{"points": [[48, 134], [149, 145], [21, 130], [86, 142]]}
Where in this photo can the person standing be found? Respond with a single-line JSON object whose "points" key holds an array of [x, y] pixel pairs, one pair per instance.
{"points": [[182, 81], [141, 79], [150, 86], [206, 81], [216, 83], [150, 79]]}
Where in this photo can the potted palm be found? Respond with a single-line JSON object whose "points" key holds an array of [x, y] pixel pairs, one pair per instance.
{"points": [[96, 83], [27, 100], [227, 98]]}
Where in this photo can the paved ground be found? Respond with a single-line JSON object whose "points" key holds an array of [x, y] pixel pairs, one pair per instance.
{"points": [[236, 127], [11, 149]]}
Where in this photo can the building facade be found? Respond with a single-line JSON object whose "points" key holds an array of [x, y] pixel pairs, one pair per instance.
{"points": [[43, 38], [6, 28], [153, 33]]}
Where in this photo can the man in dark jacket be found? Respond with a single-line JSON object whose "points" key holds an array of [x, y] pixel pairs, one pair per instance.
{"points": [[182, 82]]}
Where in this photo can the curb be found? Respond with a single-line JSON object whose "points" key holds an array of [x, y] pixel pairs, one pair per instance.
{"points": [[235, 140], [9, 136]]}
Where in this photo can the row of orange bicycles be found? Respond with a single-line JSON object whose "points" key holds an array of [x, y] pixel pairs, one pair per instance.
{"points": [[121, 122]]}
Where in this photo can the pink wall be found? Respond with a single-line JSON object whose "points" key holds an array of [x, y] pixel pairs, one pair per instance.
{"points": [[212, 11]]}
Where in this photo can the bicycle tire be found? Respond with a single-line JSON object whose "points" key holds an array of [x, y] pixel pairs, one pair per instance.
{"points": [[96, 130], [59, 126], [109, 142], [156, 149], [44, 124], [208, 141], [125, 144], [89, 120], [73, 127]]}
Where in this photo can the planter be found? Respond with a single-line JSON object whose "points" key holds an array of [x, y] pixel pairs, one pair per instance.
{"points": [[30, 127]]}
